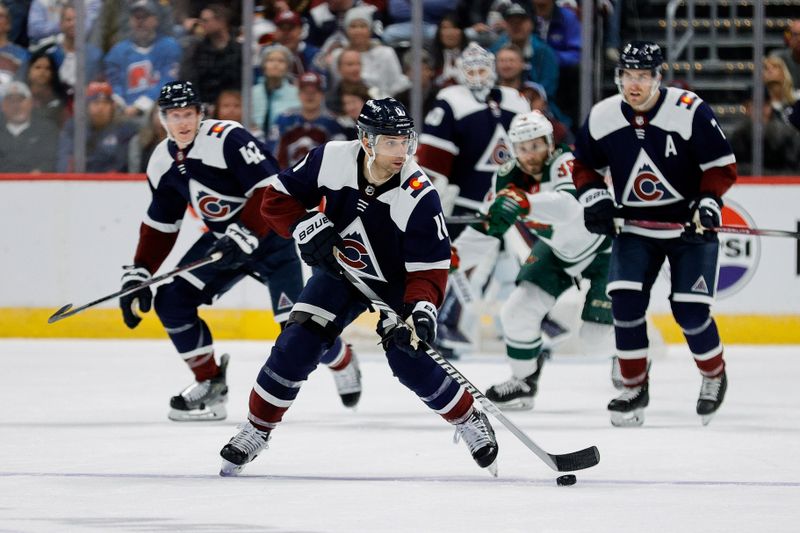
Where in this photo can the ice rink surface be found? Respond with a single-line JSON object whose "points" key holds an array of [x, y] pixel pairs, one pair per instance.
{"points": [[86, 446]]}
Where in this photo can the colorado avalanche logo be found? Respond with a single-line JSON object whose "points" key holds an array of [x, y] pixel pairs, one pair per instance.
{"points": [[211, 205], [646, 184], [358, 253], [497, 152], [738, 254]]}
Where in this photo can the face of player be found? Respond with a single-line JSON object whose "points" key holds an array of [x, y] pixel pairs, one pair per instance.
{"points": [[532, 154], [182, 124], [391, 152], [638, 88]]}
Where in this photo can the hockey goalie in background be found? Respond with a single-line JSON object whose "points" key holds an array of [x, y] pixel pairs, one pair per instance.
{"points": [[536, 188]]}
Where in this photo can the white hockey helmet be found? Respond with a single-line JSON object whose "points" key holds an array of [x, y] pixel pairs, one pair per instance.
{"points": [[529, 126], [476, 70]]}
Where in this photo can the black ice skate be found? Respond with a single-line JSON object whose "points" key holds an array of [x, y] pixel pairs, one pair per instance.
{"points": [[516, 394], [712, 392], [348, 380], [478, 435], [627, 410], [202, 400], [242, 448]]}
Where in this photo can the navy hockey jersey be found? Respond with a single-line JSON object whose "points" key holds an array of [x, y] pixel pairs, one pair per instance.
{"points": [[659, 160], [221, 175], [394, 234], [466, 141]]}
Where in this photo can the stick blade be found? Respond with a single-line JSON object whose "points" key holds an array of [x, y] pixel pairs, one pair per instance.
{"points": [[569, 462], [61, 313]]}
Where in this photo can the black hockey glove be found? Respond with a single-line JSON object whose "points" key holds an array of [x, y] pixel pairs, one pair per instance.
{"points": [[140, 300], [316, 237], [421, 319], [237, 247], [705, 213], [598, 209]]}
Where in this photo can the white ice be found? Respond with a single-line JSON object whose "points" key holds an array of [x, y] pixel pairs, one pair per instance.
{"points": [[86, 446]]}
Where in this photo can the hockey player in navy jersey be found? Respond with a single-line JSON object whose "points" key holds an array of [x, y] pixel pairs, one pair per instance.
{"points": [[536, 187], [669, 162], [221, 170], [383, 213]]}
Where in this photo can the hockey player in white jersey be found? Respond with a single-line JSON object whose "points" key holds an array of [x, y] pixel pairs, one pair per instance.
{"points": [[384, 215], [221, 170], [670, 163], [536, 187]]}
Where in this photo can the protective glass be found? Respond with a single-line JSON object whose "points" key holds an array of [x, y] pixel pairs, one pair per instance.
{"points": [[394, 145]]}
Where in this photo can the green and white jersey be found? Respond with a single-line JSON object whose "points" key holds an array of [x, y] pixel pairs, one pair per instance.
{"points": [[555, 215]]}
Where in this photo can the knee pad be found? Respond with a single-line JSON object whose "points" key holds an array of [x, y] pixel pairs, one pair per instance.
{"points": [[690, 315], [176, 303], [523, 311], [322, 327], [627, 305]]}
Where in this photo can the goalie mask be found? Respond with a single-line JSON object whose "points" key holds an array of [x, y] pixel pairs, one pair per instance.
{"points": [[640, 62], [476, 71], [178, 95], [388, 129]]}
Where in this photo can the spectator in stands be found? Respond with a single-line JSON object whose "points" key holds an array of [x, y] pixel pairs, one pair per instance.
{"points": [[276, 93], [113, 24], [429, 88], [13, 58], [49, 94], [18, 15], [537, 96], [480, 21], [380, 67], [296, 132], [561, 29], [27, 143], [228, 105], [448, 43], [63, 52], [137, 67], [289, 33], [326, 23], [510, 66], [108, 134], [347, 71], [353, 96], [539, 59], [145, 141], [215, 63], [44, 19], [399, 27], [778, 81], [791, 54]]}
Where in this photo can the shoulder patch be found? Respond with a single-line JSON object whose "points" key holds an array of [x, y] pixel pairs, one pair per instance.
{"points": [[606, 117], [676, 113]]}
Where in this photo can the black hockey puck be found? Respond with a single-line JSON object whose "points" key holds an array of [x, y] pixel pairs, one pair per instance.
{"points": [[565, 480]]}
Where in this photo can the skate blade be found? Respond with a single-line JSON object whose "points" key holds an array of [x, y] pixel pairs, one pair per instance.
{"points": [[492, 468], [520, 404], [633, 418], [707, 418], [209, 414], [229, 469]]}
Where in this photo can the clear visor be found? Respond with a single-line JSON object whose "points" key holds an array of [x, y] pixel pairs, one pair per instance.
{"points": [[394, 145]]}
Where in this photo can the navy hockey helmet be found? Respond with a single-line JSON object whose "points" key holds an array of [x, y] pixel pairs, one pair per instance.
{"points": [[386, 116], [177, 94], [640, 55]]}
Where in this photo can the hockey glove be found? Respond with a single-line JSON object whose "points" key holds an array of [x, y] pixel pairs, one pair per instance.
{"points": [[510, 204], [421, 320], [237, 247], [706, 213], [455, 260], [316, 237], [140, 300], [598, 210]]}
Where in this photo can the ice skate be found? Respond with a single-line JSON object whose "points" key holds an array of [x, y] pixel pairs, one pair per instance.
{"points": [[712, 392], [348, 380], [242, 448], [627, 410], [202, 400], [516, 394], [478, 435]]}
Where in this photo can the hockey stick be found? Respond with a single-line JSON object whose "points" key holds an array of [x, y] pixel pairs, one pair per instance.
{"points": [[741, 230], [566, 462], [68, 310], [465, 219]]}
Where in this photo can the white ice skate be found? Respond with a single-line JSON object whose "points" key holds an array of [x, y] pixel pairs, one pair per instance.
{"points": [[242, 448], [478, 435], [202, 400], [348, 381]]}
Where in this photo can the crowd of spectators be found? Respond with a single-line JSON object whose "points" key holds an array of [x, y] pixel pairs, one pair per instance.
{"points": [[315, 62]]}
